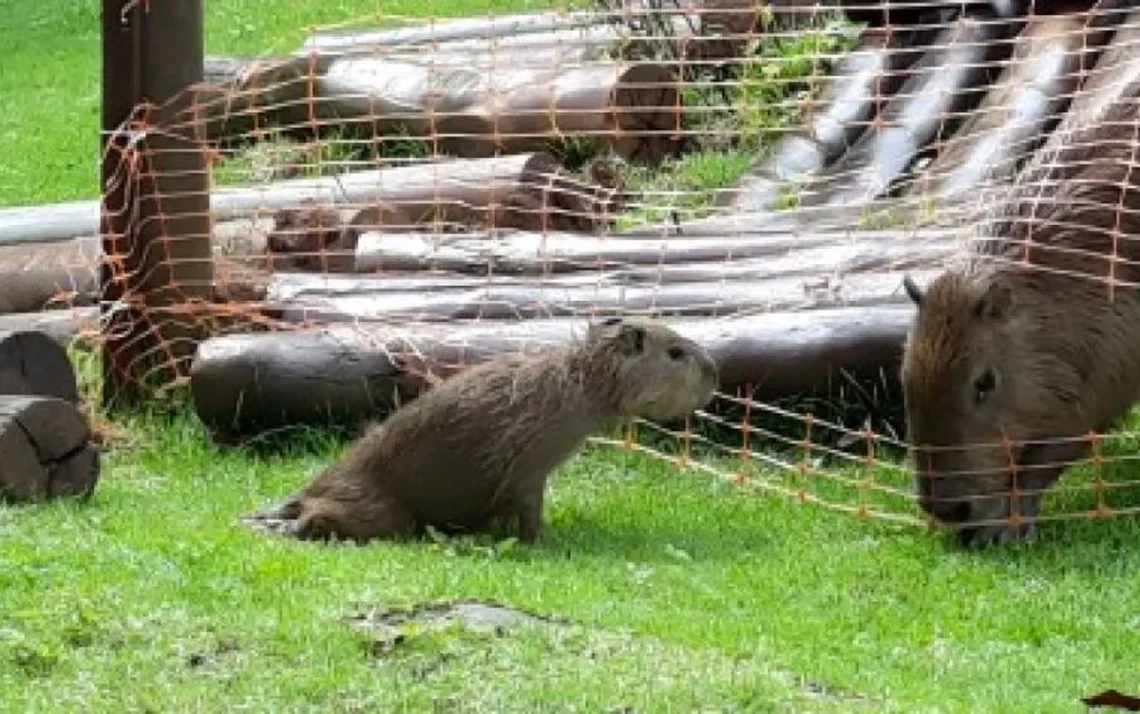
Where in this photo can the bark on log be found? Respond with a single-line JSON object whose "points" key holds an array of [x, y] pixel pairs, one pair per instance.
{"points": [[46, 450], [945, 84], [247, 383], [1010, 123], [32, 363], [863, 79]]}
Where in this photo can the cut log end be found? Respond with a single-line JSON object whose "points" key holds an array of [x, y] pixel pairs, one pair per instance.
{"points": [[46, 450], [32, 363]]}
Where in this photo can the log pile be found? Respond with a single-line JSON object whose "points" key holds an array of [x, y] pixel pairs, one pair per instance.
{"points": [[379, 280]]}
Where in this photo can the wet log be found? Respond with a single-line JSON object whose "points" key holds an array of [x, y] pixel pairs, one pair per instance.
{"points": [[1027, 99], [243, 384], [942, 88], [238, 96], [34, 364], [862, 80], [46, 449], [523, 253], [561, 47]]}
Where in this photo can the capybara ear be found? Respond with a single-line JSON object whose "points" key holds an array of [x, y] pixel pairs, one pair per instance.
{"points": [[994, 302], [912, 290], [632, 339], [602, 329]]}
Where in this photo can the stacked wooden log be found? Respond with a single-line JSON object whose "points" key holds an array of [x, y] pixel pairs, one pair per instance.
{"points": [[46, 445]]}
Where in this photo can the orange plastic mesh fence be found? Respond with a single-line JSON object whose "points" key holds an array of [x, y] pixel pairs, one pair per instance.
{"points": [[410, 197]]}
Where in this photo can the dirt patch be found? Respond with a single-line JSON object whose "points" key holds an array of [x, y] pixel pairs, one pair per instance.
{"points": [[388, 625]]}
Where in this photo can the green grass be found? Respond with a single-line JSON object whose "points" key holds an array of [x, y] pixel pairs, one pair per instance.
{"points": [[681, 594]]}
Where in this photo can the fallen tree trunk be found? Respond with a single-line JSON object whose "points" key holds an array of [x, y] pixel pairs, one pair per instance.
{"points": [[248, 383], [944, 84], [32, 363], [46, 449]]}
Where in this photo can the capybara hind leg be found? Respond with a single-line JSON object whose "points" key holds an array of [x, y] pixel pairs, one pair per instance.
{"points": [[287, 510], [276, 519], [357, 521]]}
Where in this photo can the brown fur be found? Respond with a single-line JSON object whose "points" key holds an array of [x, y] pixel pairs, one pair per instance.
{"points": [[311, 237], [477, 448], [1028, 342]]}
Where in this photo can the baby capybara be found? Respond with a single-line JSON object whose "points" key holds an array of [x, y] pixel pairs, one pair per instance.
{"points": [[475, 451]]}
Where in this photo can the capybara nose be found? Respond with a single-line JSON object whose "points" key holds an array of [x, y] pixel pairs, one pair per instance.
{"points": [[946, 511]]}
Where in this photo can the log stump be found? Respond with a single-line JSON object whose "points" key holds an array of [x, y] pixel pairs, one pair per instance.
{"points": [[46, 450], [32, 363]]}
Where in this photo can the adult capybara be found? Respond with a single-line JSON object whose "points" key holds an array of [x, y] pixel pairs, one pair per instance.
{"points": [[475, 451], [1014, 357]]}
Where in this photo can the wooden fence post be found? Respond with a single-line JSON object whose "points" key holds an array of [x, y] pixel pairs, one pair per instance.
{"points": [[155, 221]]}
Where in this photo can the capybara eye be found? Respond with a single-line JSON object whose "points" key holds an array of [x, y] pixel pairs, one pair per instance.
{"points": [[676, 352], [984, 385]]}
